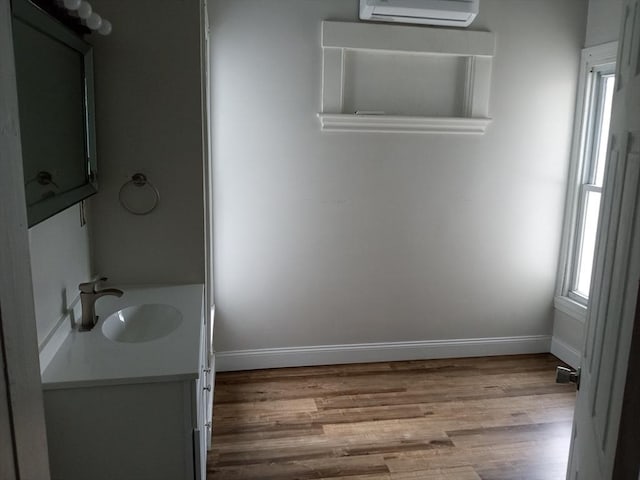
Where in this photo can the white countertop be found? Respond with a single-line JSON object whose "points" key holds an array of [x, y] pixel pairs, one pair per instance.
{"points": [[90, 359]]}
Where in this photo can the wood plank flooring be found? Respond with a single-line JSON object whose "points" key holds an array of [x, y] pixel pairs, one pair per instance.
{"points": [[493, 418]]}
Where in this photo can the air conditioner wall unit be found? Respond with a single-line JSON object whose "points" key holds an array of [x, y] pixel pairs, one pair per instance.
{"points": [[456, 13]]}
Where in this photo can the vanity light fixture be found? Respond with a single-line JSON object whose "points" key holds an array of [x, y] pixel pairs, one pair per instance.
{"points": [[72, 4], [94, 22], [85, 10], [105, 28], [91, 19]]}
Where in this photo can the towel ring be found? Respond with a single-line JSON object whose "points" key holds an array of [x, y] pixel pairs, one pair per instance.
{"points": [[139, 180]]}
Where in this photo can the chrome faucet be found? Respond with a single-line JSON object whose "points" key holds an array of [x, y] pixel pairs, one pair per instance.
{"points": [[88, 297]]}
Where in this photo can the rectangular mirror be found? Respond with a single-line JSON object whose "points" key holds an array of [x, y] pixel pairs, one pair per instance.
{"points": [[54, 70]]}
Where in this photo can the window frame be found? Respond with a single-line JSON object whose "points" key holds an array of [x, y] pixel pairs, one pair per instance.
{"points": [[596, 62], [593, 113]]}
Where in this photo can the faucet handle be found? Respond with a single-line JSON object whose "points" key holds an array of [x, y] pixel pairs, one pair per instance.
{"points": [[90, 287]]}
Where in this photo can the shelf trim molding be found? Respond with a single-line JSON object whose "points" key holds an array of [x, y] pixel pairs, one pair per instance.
{"points": [[477, 47], [403, 124], [395, 38]]}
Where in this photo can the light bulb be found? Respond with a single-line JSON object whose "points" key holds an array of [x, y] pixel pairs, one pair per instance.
{"points": [[84, 10], [105, 28], [94, 22], [72, 4]]}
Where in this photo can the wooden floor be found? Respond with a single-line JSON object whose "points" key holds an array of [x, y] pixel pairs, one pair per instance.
{"points": [[494, 418]]}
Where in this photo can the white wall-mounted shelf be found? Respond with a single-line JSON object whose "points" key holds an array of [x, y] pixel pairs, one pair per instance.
{"points": [[417, 79]]}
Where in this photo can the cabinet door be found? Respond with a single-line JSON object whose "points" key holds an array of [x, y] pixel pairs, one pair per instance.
{"points": [[203, 389], [208, 401], [200, 462], [144, 426]]}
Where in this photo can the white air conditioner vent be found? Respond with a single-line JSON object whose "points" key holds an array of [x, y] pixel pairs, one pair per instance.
{"points": [[456, 13]]}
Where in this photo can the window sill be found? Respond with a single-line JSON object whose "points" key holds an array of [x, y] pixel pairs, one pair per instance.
{"points": [[570, 307]]}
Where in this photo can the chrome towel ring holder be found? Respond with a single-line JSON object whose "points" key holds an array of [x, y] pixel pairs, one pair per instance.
{"points": [[144, 207]]}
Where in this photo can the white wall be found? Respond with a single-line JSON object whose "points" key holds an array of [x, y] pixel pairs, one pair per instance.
{"points": [[148, 105], [603, 21], [338, 238], [60, 261]]}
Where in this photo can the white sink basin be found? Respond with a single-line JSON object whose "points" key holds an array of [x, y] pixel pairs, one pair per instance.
{"points": [[141, 323]]}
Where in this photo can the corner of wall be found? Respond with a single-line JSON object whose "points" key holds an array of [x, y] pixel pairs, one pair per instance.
{"points": [[60, 260]]}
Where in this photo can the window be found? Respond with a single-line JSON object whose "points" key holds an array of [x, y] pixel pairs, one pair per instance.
{"points": [[595, 157], [587, 171]]}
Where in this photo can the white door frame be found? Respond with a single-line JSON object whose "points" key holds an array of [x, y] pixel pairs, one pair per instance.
{"points": [[627, 462], [614, 296], [205, 58], [7, 443], [206, 156], [21, 406]]}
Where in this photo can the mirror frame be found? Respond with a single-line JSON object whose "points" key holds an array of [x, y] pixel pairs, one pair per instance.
{"points": [[33, 16]]}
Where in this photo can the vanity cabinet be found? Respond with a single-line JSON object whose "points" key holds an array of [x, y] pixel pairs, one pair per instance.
{"points": [[148, 425], [144, 431]]}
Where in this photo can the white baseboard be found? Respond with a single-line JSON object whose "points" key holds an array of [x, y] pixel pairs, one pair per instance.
{"points": [[379, 352], [565, 352]]}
